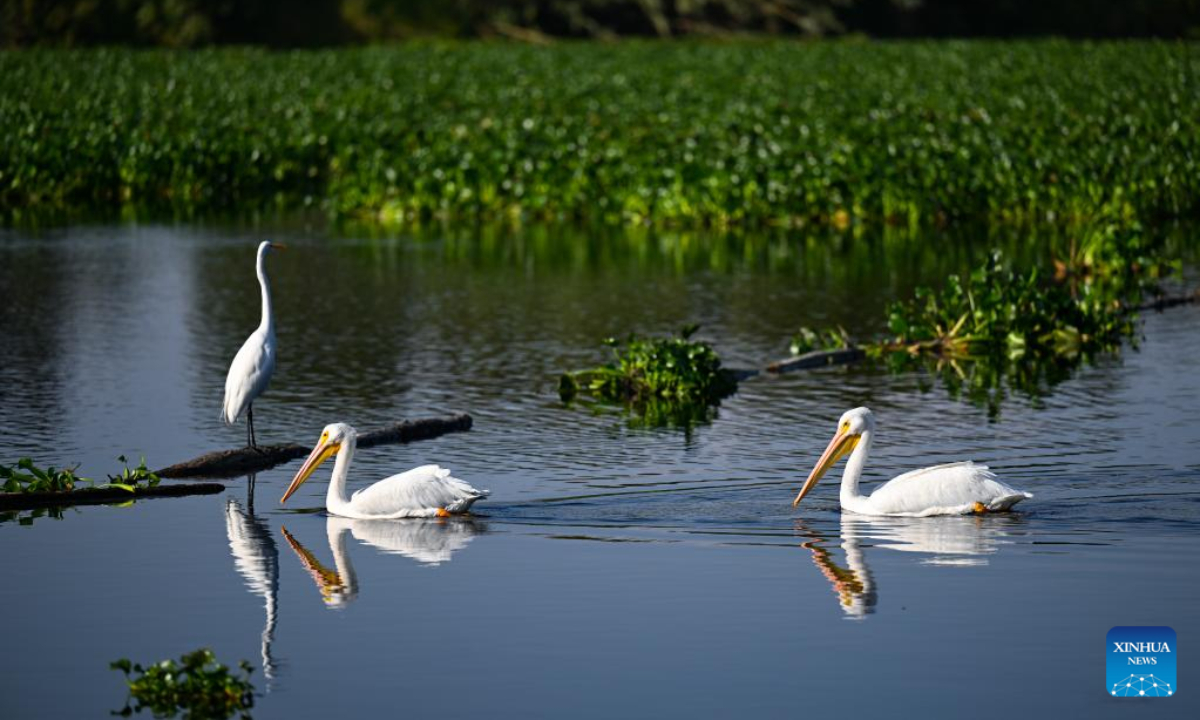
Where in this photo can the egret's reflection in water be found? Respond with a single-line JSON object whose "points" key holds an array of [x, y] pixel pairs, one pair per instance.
{"points": [[257, 559], [952, 540], [429, 542]]}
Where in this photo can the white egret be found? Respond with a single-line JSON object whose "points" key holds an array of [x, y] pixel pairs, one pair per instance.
{"points": [[254, 364], [427, 491], [955, 489]]}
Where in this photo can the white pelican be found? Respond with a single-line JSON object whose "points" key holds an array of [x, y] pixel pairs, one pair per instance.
{"points": [[427, 491], [954, 489], [254, 364]]}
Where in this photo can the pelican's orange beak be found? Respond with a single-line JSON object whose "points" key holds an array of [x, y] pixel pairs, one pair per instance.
{"points": [[278, 246], [322, 452], [841, 445]]}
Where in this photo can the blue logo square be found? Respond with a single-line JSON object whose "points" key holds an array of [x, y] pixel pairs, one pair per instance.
{"points": [[1141, 661]]}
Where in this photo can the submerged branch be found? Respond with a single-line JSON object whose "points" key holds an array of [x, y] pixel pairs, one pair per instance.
{"points": [[230, 463]]}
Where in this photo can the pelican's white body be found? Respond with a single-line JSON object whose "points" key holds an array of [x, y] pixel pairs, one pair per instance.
{"points": [[427, 491], [952, 489], [252, 367]]}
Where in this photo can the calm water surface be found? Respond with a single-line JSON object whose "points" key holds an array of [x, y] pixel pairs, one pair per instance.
{"points": [[616, 570]]}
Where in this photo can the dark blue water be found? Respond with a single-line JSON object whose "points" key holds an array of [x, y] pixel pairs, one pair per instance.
{"points": [[616, 570]]}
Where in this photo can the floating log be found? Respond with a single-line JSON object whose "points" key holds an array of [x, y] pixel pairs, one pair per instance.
{"points": [[231, 463], [101, 495], [817, 359]]}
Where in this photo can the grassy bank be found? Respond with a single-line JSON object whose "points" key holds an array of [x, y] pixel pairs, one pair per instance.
{"points": [[684, 134]]}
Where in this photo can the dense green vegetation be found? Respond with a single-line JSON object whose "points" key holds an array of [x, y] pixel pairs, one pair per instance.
{"points": [[686, 133], [197, 686], [672, 380]]}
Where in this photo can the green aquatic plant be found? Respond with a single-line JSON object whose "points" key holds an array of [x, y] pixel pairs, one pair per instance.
{"points": [[25, 477], [197, 686], [755, 133], [133, 478], [997, 329], [669, 377], [997, 310], [1084, 305]]}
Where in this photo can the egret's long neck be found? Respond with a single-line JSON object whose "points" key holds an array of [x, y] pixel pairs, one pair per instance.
{"points": [[268, 317], [341, 468], [853, 471]]}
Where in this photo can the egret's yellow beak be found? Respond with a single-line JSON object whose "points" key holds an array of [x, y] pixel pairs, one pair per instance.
{"points": [[322, 452], [278, 246], [841, 445]]}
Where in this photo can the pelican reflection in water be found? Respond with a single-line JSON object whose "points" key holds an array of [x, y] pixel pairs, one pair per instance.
{"points": [[257, 560], [854, 585], [429, 542], [948, 540]]}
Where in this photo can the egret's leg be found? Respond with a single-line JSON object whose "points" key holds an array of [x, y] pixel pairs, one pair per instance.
{"points": [[250, 426]]}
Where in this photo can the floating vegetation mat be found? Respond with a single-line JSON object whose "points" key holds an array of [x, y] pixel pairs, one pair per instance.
{"points": [[999, 328], [664, 381]]}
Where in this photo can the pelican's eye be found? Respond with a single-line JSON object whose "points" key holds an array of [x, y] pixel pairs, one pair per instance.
{"points": [[845, 427]]}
